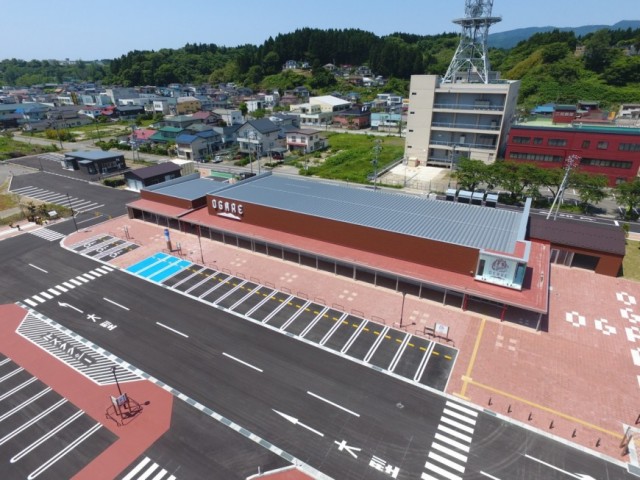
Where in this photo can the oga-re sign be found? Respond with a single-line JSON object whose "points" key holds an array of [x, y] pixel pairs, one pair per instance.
{"points": [[228, 209]]}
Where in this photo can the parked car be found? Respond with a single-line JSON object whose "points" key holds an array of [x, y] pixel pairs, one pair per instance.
{"points": [[218, 159]]}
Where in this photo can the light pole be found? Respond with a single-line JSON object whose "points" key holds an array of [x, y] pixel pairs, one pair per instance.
{"points": [[404, 294], [72, 214], [113, 370], [200, 243]]}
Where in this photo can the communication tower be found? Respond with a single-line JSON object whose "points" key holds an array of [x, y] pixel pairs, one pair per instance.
{"points": [[470, 63]]}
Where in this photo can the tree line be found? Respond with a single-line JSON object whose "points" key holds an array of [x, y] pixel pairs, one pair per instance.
{"points": [[546, 63], [522, 180]]}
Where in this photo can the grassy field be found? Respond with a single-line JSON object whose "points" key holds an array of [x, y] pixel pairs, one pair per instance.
{"points": [[631, 263], [10, 148], [351, 156]]}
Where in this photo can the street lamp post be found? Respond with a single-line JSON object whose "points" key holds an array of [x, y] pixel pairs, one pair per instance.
{"points": [[200, 243], [404, 294], [113, 370]]}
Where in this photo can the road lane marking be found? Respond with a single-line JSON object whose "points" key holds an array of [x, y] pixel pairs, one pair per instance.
{"points": [[295, 421], [574, 475], [450, 452], [114, 303], [38, 268], [333, 404], [139, 467], [490, 477], [242, 362], [172, 329]]}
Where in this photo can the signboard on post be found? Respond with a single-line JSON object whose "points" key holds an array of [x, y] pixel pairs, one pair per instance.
{"points": [[167, 238]]}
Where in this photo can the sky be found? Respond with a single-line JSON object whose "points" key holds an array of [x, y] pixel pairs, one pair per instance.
{"points": [[87, 30]]}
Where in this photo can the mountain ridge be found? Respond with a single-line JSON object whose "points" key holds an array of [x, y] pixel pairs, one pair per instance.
{"points": [[511, 38]]}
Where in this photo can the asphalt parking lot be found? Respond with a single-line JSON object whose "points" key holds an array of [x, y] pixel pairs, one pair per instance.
{"points": [[414, 359]]}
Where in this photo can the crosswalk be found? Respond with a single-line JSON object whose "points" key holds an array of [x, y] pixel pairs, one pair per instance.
{"points": [[47, 234], [78, 205], [449, 450], [145, 469], [64, 287]]}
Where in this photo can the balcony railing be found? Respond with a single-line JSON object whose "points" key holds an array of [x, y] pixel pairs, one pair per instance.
{"points": [[462, 147], [468, 106], [465, 126]]}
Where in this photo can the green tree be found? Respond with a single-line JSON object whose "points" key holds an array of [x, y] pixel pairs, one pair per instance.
{"points": [[598, 53], [591, 188], [470, 173], [628, 193]]}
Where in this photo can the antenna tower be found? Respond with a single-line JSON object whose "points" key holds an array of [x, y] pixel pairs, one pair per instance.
{"points": [[471, 55]]}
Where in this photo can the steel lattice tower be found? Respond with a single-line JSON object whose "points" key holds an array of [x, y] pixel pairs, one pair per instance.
{"points": [[471, 54]]}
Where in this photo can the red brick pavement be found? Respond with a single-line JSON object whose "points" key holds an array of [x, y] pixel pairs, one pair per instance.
{"points": [[574, 376], [133, 438]]}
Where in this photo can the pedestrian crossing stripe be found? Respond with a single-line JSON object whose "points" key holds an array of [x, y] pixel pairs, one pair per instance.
{"points": [[146, 468], [47, 234], [45, 295]]}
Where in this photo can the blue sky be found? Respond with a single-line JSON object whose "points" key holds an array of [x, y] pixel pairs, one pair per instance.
{"points": [[74, 29]]}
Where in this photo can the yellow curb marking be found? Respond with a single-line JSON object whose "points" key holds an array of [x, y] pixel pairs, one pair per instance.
{"points": [[474, 354], [547, 409]]}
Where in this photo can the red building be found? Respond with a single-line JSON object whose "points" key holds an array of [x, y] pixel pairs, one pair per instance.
{"points": [[605, 150], [353, 119]]}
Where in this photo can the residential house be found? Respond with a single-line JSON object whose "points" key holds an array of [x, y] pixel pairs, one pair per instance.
{"points": [[356, 118], [207, 118], [140, 178], [164, 105], [228, 135], [141, 136], [305, 140], [230, 116], [258, 137], [179, 121], [254, 104], [129, 112], [198, 147], [187, 105], [117, 93], [320, 110], [167, 134], [290, 65]]}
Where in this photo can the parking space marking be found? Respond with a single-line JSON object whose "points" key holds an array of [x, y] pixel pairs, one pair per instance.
{"points": [[33, 420]]}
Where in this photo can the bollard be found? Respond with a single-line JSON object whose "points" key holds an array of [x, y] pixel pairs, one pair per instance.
{"points": [[509, 409], [530, 416], [490, 402], [637, 419], [573, 435], [551, 425], [598, 443]]}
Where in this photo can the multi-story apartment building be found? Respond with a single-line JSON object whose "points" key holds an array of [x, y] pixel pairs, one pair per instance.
{"points": [[450, 120]]}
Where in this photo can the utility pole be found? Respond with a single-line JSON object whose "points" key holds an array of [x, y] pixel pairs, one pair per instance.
{"points": [[571, 162], [73, 216], [376, 153]]}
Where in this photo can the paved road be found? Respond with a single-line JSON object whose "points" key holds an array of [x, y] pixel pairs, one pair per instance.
{"points": [[355, 424]]}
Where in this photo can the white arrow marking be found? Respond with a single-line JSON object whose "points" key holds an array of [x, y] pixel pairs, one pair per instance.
{"points": [[66, 305], [296, 422], [579, 476], [343, 446], [114, 303], [38, 268]]}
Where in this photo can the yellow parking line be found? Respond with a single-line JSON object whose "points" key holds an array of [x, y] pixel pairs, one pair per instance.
{"points": [[423, 349], [411, 344]]}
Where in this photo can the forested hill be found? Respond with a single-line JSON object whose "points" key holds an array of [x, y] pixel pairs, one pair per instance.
{"points": [[606, 67]]}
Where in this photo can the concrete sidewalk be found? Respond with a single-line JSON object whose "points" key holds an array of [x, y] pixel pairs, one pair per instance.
{"points": [[573, 382]]}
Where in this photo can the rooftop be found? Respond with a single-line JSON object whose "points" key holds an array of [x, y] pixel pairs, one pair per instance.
{"points": [[461, 224], [187, 188], [93, 154]]}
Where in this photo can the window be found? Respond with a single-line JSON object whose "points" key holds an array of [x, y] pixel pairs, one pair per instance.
{"points": [[595, 162], [629, 147], [537, 140], [521, 140], [557, 142], [586, 144], [537, 157], [603, 145]]}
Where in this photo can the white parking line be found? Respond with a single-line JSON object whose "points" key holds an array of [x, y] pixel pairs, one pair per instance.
{"points": [[46, 436], [31, 421], [242, 362], [18, 388], [334, 404], [28, 401], [172, 329]]}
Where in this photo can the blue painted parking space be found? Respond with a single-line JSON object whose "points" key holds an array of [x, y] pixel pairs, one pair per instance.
{"points": [[159, 267]]}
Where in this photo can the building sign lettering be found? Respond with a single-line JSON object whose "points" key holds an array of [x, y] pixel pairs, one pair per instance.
{"points": [[228, 209]]}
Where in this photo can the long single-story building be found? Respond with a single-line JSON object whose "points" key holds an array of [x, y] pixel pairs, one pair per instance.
{"points": [[469, 256], [94, 162]]}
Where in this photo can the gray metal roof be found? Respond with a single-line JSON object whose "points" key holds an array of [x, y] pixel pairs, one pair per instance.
{"points": [[450, 222], [188, 188], [93, 154]]}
